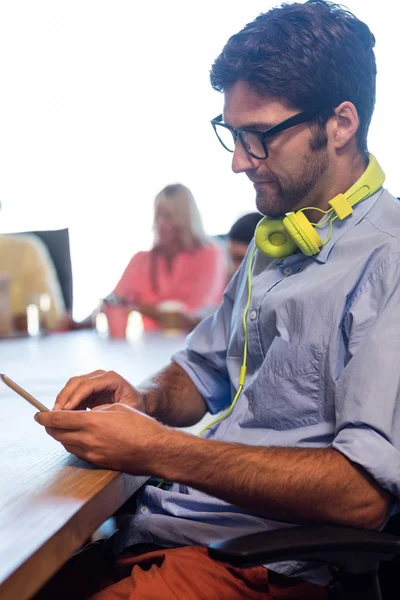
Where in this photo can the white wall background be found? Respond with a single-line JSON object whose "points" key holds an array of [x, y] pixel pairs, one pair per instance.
{"points": [[104, 102]]}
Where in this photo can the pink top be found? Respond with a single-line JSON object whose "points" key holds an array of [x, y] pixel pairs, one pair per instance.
{"points": [[197, 279]]}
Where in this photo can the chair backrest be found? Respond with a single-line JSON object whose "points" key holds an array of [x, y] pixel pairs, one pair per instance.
{"points": [[393, 525], [57, 244], [389, 571]]}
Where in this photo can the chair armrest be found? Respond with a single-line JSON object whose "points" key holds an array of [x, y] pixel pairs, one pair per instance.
{"points": [[327, 544]]}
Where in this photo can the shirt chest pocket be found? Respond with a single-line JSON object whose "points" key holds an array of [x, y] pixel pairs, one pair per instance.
{"points": [[287, 391]]}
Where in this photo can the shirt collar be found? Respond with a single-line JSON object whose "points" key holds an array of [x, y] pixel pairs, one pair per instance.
{"points": [[339, 228]]}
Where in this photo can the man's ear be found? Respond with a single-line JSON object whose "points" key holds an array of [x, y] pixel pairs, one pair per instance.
{"points": [[343, 125]]}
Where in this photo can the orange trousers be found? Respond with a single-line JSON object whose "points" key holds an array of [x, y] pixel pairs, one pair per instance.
{"points": [[186, 573]]}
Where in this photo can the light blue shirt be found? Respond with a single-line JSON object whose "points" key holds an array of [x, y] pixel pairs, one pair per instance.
{"points": [[323, 371]]}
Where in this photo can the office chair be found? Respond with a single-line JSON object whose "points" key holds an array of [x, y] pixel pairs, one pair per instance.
{"points": [[354, 556], [57, 244]]}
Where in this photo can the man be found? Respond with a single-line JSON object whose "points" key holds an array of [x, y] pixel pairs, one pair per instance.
{"points": [[314, 434], [239, 237]]}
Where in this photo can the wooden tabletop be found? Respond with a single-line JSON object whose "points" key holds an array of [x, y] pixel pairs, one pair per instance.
{"points": [[51, 502]]}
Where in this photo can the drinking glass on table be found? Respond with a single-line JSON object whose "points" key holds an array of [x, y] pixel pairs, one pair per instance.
{"points": [[116, 310], [171, 313]]}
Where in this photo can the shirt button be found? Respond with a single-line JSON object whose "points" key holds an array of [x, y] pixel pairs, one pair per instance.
{"points": [[287, 270], [144, 510], [253, 315]]}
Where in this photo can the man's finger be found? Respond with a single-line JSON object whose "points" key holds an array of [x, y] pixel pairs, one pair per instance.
{"points": [[105, 383], [71, 386], [104, 407], [75, 450], [63, 419], [116, 407], [66, 436]]}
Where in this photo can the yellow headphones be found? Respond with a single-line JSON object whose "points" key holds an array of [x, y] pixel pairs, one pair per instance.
{"points": [[278, 238]]}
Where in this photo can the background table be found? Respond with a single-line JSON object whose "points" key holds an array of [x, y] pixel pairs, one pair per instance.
{"points": [[51, 502]]}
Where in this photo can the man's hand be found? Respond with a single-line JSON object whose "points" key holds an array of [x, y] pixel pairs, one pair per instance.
{"points": [[114, 437], [96, 389]]}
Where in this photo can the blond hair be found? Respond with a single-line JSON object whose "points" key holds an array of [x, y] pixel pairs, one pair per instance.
{"points": [[181, 203]]}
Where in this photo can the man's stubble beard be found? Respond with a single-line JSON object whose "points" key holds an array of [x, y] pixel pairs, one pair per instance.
{"points": [[292, 191]]}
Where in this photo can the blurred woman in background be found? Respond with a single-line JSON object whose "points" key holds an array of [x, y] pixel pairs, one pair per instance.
{"points": [[183, 266]]}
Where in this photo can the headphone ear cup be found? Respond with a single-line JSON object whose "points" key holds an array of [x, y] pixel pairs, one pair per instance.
{"points": [[272, 239], [302, 233]]}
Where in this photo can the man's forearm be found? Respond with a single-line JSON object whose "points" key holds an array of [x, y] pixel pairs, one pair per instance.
{"points": [[290, 484], [171, 397]]}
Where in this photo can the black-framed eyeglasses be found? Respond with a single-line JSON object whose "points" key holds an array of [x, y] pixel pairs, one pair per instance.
{"points": [[255, 142]]}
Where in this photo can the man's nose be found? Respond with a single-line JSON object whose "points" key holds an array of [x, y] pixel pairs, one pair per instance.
{"points": [[242, 161]]}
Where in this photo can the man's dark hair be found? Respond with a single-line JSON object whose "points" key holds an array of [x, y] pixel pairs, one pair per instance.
{"points": [[243, 229], [308, 55]]}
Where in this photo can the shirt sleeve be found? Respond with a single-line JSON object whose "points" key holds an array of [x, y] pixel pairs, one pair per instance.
{"points": [[204, 358], [368, 389]]}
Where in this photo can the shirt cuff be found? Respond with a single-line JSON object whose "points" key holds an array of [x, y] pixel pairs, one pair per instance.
{"points": [[369, 449]]}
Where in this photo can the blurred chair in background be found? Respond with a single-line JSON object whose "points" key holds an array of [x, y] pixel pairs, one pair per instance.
{"points": [[57, 244]]}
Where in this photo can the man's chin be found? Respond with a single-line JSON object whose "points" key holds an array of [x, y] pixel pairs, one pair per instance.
{"points": [[270, 207]]}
